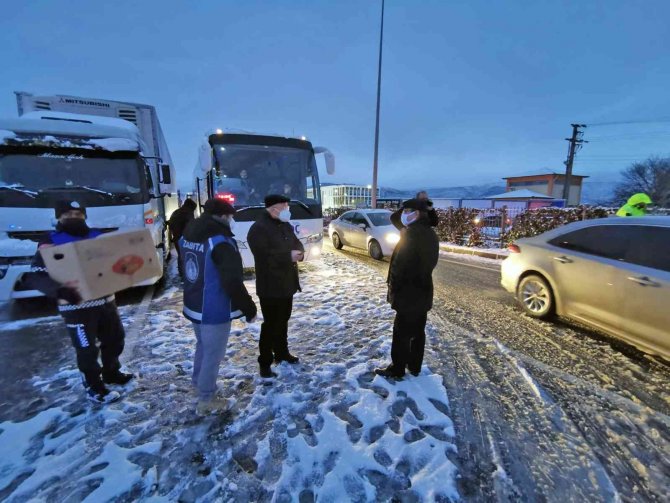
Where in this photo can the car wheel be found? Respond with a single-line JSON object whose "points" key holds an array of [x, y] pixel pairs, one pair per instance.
{"points": [[375, 250], [536, 297], [337, 243]]}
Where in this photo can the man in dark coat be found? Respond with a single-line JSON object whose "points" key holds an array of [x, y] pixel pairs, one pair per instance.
{"points": [[214, 294], [177, 223], [276, 251], [432, 214], [88, 323], [410, 288]]}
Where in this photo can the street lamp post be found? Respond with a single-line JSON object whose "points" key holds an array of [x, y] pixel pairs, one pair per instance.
{"points": [[379, 89]]}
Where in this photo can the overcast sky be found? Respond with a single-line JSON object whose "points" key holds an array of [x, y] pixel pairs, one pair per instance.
{"points": [[472, 90]]}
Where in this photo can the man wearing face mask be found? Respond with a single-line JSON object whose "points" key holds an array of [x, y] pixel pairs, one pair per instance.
{"points": [[410, 288], [87, 322], [432, 214], [276, 251], [214, 294]]}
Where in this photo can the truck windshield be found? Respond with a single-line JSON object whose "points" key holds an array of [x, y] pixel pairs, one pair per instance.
{"points": [[248, 173], [37, 179]]}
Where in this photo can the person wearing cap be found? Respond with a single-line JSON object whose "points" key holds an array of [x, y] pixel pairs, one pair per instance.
{"points": [[177, 223], [636, 206], [432, 214], [410, 288], [87, 322], [214, 295], [276, 251]]}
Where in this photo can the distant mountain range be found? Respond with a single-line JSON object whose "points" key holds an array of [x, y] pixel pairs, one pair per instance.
{"points": [[593, 192]]}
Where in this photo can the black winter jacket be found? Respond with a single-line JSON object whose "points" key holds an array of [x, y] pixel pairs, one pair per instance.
{"points": [[227, 260], [410, 278], [178, 222], [271, 241]]}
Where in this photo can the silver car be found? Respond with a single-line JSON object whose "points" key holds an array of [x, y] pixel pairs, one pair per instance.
{"points": [[610, 273], [369, 230]]}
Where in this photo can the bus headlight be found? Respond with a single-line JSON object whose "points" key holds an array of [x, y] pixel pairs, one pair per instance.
{"points": [[313, 238], [392, 238]]}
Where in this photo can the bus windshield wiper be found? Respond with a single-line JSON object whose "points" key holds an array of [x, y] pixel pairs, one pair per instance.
{"points": [[17, 187], [84, 187], [303, 205]]}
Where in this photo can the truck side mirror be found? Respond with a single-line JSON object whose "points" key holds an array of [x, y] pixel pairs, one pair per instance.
{"points": [[166, 177]]}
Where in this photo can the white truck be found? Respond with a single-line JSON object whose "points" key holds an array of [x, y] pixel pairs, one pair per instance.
{"points": [[109, 156]]}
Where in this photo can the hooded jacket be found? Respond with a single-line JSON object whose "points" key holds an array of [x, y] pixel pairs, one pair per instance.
{"points": [[630, 209], [214, 290]]}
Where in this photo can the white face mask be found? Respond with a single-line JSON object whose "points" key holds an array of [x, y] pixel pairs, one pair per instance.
{"points": [[407, 218], [285, 215]]}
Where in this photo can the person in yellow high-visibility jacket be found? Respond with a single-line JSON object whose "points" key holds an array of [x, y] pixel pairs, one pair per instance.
{"points": [[636, 206]]}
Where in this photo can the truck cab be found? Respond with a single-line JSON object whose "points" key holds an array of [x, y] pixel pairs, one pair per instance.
{"points": [[99, 162]]}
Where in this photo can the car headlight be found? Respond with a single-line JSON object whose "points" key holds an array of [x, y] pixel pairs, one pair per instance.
{"points": [[392, 238]]}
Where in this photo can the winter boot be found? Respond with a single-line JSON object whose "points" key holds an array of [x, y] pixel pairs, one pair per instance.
{"points": [[216, 404], [102, 395], [391, 372], [117, 377], [288, 358], [266, 372]]}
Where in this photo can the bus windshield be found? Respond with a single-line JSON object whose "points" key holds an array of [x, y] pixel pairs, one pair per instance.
{"points": [[245, 174]]}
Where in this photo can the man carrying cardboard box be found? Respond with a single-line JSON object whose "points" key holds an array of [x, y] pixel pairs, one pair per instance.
{"points": [[87, 322]]}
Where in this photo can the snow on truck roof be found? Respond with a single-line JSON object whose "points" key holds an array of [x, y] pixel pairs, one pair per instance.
{"points": [[99, 132]]}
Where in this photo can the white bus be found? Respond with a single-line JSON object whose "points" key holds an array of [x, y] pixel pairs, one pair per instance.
{"points": [[242, 168]]}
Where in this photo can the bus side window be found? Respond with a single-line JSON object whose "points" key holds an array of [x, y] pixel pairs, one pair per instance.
{"points": [[150, 183]]}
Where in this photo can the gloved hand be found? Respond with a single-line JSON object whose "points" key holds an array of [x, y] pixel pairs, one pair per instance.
{"points": [[250, 312], [69, 294]]}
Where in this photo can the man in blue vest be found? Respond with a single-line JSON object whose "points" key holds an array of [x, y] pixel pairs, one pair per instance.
{"points": [[87, 322], [214, 294]]}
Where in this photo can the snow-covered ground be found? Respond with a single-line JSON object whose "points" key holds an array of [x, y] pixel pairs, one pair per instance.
{"points": [[326, 429]]}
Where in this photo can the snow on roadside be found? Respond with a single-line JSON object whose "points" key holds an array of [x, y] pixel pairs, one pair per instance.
{"points": [[492, 262], [326, 429]]}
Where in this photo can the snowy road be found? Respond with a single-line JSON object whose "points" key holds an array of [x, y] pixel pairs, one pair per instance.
{"points": [[542, 409], [507, 408]]}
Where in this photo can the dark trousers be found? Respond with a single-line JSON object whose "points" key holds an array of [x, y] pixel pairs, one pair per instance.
{"points": [[88, 327], [409, 340], [274, 330], [180, 266]]}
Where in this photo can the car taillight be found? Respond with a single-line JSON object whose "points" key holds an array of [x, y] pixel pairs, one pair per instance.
{"points": [[514, 248], [149, 221], [227, 197]]}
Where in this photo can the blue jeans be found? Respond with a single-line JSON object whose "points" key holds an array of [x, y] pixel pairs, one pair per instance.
{"points": [[210, 348]]}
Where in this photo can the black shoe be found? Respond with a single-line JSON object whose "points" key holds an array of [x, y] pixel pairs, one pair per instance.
{"points": [[415, 373], [288, 358], [117, 377], [266, 372], [102, 396], [391, 372]]}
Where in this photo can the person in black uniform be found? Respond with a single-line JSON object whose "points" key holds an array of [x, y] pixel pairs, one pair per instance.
{"points": [[410, 288], [87, 322], [276, 251], [177, 223], [432, 214]]}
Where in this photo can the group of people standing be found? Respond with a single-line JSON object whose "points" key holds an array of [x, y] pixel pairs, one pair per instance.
{"points": [[214, 292]]}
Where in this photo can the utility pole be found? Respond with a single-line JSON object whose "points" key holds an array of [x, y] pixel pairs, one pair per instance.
{"points": [[575, 145], [379, 90]]}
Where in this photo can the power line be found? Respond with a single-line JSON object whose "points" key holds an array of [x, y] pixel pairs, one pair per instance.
{"points": [[648, 121]]}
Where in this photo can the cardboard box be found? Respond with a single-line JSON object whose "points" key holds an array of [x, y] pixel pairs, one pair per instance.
{"points": [[104, 265]]}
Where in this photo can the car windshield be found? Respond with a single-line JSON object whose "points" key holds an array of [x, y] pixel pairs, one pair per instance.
{"points": [[248, 173], [379, 219], [46, 175]]}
